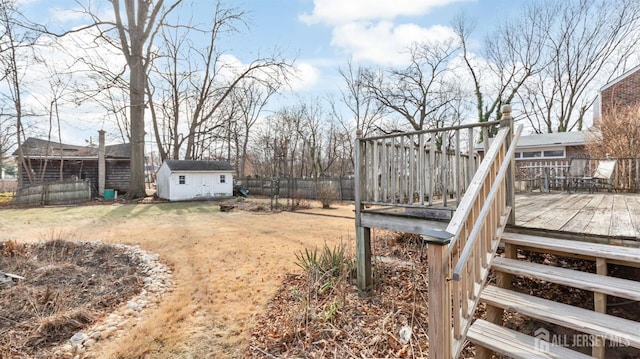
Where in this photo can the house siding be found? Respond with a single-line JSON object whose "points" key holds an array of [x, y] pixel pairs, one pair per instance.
{"points": [[49, 171], [621, 94], [118, 173], [576, 151]]}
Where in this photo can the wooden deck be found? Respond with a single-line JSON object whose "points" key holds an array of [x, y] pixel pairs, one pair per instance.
{"points": [[602, 213]]}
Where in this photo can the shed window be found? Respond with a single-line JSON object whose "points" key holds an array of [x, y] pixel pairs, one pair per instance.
{"points": [[223, 178], [182, 179]]}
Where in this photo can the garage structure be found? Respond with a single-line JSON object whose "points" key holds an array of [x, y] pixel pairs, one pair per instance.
{"points": [[182, 180]]}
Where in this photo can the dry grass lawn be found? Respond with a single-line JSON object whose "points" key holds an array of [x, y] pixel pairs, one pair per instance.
{"points": [[226, 266]]}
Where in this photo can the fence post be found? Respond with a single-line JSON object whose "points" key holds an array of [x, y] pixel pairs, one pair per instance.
{"points": [[507, 121], [45, 194]]}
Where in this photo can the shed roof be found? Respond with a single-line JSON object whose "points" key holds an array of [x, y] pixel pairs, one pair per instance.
{"points": [[37, 148], [197, 165]]}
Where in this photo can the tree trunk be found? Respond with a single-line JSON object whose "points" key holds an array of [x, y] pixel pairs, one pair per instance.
{"points": [[136, 93]]}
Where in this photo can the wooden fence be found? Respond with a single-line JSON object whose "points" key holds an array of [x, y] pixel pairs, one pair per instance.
{"points": [[342, 188], [48, 193]]}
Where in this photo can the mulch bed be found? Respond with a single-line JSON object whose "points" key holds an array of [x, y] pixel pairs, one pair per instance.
{"points": [[67, 286], [303, 321]]}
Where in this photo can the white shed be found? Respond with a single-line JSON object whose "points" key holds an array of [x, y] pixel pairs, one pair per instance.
{"points": [[186, 180]]}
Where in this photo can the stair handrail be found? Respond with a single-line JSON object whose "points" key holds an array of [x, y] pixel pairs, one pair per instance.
{"points": [[463, 306], [473, 236], [475, 230]]}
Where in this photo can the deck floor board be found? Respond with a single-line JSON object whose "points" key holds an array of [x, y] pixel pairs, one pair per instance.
{"points": [[601, 213]]}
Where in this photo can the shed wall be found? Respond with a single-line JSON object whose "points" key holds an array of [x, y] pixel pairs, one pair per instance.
{"points": [[163, 182], [198, 185]]}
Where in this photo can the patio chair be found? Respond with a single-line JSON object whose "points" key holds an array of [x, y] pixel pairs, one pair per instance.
{"points": [[603, 174], [576, 174]]}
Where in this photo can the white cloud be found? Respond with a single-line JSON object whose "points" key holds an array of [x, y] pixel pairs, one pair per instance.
{"points": [[305, 77], [367, 31], [336, 12], [384, 42]]}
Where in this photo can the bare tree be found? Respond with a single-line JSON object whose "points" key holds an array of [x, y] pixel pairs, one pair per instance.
{"points": [[14, 38], [136, 23], [252, 98], [511, 55], [7, 138], [316, 134], [585, 41], [418, 92], [365, 114], [59, 88], [201, 81], [366, 110]]}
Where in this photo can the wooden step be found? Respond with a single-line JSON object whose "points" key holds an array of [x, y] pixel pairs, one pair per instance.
{"points": [[588, 281], [516, 345], [623, 331], [574, 247]]}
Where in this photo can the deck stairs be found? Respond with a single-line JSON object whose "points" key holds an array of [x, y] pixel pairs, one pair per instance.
{"points": [[489, 335]]}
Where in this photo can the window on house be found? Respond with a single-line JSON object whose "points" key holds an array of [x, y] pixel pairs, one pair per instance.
{"points": [[541, 154], [182, 179], [531, 154], [223, 179], [554, 153]]}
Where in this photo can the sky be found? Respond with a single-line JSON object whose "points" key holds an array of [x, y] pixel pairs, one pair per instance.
{"points": [[322, 36]]}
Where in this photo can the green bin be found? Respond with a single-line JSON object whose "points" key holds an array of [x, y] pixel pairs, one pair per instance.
{"points": [[109, 194]]}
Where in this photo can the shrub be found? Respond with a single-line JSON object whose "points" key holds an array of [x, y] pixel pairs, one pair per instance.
{"points": [[327, 193], [331, 262], [300, 201], [619, 134]]}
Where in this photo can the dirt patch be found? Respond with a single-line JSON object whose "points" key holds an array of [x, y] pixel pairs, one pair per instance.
{"points": [[66, 287], [225, 266]]}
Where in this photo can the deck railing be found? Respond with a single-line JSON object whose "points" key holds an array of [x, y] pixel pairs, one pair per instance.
{"points": [[409, 169], [530, 175], [414, 169], [460, 257]]}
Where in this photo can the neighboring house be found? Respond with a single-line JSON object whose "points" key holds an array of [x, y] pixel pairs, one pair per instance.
{"points": [[550, 146], [186, 180], [53, 161], [621, 92], [553, 146]]}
